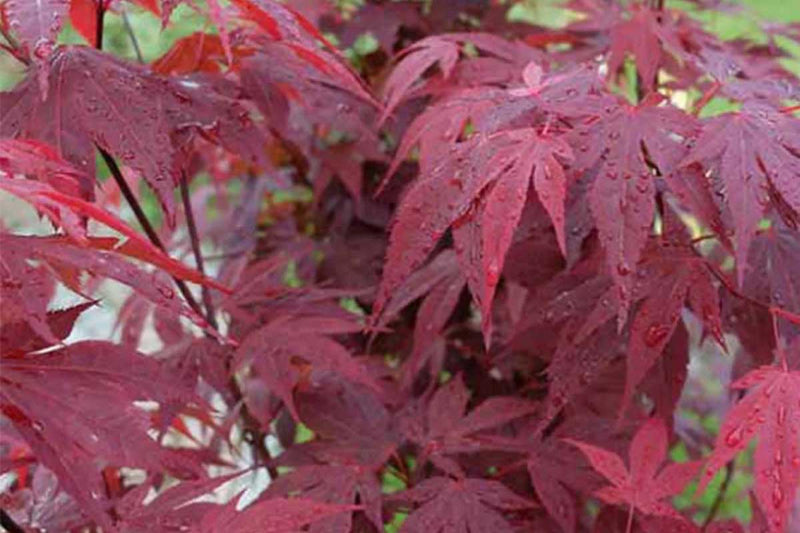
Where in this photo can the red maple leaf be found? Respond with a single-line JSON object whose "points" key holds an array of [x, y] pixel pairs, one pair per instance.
{"points": [[448, 428], [275, 515], [460, 506], [625, 146], [439, 284], [467, 190], [288, 348], [337, 484], [752, 153], [74, 436], [641, 485], [36, 24], [352, 426], [137, 116], [771, 413]]}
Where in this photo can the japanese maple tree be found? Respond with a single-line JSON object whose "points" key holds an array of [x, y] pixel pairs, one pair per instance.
{"points": [[451, 266]]}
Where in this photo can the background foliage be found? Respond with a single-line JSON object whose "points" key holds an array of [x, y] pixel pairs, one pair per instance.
{"points": [[379, 336]]}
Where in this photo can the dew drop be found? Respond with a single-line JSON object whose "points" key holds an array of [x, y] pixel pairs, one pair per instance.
{"points": [[492, 273], [777, 496], [734, 437], [165, 291], [655, 335], [10, 283]]}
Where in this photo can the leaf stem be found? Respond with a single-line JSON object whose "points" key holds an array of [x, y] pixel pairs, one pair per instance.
{"points": [[703, 238], [629, 527], [777, 334], [706, 98]]}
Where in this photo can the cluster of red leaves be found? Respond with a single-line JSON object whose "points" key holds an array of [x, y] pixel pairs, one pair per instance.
{"points": [[539, 232]]}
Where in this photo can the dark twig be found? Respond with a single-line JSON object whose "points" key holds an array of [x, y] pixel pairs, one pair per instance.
{"points": [[126, 191], [729, 468], [9, 524], [101, 15], [208, 303], [720, 496]]}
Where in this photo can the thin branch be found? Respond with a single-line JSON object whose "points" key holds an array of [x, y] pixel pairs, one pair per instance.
{"points": [[9, 524], [706, 98], [100, 18], [703, 238], [629, 527], [791, 317], [781, 352], [251, 423], [252, 429], [126, 191], [129, 29], [720, 496], [510, 468], [208, 303]]}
